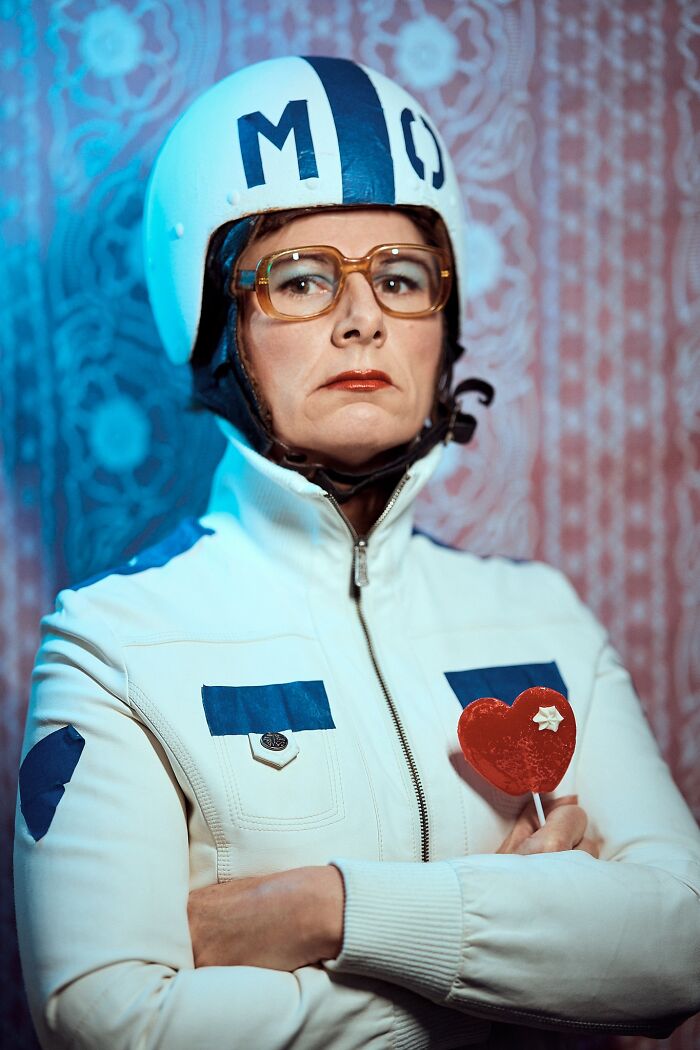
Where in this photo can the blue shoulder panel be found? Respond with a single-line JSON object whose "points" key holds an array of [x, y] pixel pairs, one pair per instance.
{"points": [[416, 531], [44, 772], [366, 163], [182, 539], [233, 710], [504, 683]]}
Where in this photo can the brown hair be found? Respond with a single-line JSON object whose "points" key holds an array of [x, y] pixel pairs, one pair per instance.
{"points": [[428, 222]]}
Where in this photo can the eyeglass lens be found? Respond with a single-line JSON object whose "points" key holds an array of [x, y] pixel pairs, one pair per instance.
{"points": [[303, 283]]}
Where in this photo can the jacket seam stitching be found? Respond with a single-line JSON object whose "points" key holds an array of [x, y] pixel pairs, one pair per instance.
{"points": [[331, 815], [213, 638], [172, 740], [553, 1019]]}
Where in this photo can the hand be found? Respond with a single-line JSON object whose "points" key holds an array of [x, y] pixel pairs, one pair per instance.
{"points": [[279, 922], [564, 829]]}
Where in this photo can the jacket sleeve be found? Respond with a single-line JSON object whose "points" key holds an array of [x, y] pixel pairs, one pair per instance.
{"points": [[558, 940], [102, 880]]}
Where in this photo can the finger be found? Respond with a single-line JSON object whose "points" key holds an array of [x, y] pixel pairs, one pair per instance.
{"points": [[530, 817], [568, 823], [563, 830], [550, 804], [527, 823], [590, 846]]}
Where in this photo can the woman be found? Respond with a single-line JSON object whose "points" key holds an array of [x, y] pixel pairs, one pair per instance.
{"points": [[268, 837]]}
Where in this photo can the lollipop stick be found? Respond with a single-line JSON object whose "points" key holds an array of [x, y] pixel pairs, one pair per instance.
{"points": [[538, 807]]}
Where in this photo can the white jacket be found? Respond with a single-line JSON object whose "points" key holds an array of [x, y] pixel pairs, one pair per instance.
{"points": [[172, 668]]}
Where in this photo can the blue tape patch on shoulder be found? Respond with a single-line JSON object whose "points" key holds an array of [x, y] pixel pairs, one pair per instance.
{"points": [[45, 771], [504, 683], [367, 166], [416, 531], [504, 557], [182, 539], [433, 539], [236, 710]]}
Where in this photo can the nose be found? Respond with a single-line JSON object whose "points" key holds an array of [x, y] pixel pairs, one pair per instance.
{"points": [[358, 318]]}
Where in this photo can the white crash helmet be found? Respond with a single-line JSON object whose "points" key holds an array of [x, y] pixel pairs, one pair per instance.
{"points": [[288, 134], [285, 133]]}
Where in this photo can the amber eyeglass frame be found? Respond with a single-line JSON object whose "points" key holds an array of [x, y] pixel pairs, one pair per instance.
{"points": [[257, 280]]}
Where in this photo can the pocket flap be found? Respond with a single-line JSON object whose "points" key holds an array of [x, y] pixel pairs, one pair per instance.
{"points": [[274, 749]]}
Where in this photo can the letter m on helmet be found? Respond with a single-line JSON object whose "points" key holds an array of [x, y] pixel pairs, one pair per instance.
{"points": [[295, 118]]}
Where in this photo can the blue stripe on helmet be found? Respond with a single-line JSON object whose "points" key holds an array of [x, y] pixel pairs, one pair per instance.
{"points": [[365, 155]]}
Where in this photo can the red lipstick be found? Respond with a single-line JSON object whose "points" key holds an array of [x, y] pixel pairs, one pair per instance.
{"points": [[359, 379]]}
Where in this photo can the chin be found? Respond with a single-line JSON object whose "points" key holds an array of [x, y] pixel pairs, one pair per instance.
{"points": [[359, 436], [360, 451], [356, 436]]}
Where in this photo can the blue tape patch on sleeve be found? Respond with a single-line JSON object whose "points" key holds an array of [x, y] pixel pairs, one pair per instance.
{"points": [[182, 539], [367, 166], [233, 710], [45, 771], [504, 683]]}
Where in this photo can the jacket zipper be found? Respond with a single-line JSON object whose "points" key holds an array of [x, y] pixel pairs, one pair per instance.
{"points": [[360, 579]]}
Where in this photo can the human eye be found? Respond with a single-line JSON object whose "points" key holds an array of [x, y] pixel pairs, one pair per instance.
{"points": [[402, 277], [298, 276], [303, 284], [395, 284]]}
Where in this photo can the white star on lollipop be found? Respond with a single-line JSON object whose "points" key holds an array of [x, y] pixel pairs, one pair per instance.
{"points": [[548, 718]]}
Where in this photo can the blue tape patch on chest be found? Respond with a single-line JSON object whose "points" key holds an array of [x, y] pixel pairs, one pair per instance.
{"points": [[504, 683], [45, 771], [236, 710], [367, 167], [182, 539]]}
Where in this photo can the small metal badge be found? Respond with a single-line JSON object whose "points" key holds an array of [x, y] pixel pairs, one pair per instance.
{"points": [[274, 741], [274, 749]]}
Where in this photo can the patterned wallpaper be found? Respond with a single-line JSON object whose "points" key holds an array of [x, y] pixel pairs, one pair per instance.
{"points": [[576, 132]]}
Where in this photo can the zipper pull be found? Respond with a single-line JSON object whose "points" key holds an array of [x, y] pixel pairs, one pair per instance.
{"points": [[360, 563]]}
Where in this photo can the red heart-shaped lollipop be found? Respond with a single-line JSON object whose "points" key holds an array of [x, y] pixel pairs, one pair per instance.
{"points": [[525, 747]]}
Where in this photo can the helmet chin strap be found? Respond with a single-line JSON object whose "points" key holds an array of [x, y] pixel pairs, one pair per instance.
{"points": [[451, 424]]}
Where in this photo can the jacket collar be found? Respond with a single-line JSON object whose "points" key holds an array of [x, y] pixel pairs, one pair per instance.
{"points": [[288, 517]]}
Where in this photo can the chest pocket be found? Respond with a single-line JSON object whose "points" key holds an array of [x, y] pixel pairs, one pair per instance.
{"points": [[277, 748]]}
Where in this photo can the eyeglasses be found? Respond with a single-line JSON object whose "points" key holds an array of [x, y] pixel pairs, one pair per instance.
{"points": [[408, 280]]}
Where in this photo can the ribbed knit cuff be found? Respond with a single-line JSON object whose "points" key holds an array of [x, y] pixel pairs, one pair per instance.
{"points": [[403, 923]]}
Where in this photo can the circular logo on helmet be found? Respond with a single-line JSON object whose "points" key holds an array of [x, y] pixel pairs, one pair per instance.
{"points": [[274, 741]]}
